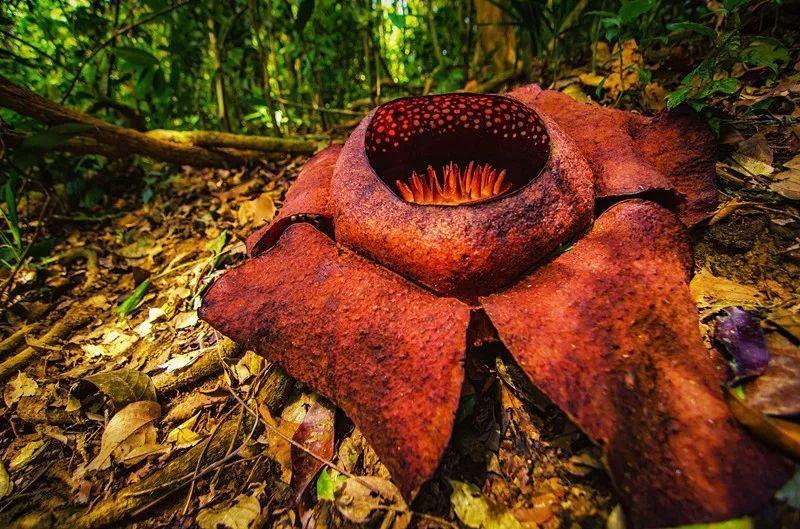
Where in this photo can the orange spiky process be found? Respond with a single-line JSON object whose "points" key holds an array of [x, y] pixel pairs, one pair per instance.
{"points": [[452, 185]]}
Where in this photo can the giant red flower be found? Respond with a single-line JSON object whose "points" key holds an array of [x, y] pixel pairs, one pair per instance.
{"points": [[441, 211]]}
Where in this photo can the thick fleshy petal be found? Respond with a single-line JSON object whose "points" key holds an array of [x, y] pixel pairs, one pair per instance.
{"points": [[609, 332], [669, 157], [387, 352], [309, 194]]}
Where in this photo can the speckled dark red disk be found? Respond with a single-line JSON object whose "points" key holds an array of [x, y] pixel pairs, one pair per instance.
{"points": [[471, 249]]}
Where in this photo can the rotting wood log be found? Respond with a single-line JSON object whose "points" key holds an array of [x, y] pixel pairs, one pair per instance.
{"points": [[214, 139], [77, 316], [88, 145], [196, 148], [205, 366], [130, 499]]}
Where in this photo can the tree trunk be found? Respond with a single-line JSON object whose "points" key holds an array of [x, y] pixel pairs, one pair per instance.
{"points": [[219, 76], [263, 66], [496, 37], [437, 49]]}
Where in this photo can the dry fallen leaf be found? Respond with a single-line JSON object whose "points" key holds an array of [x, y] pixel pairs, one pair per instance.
{"points": [[185, 320], [180, 361], [292, 416], [779, 433], [258, 211], [476, 511], [130, 428], [144, 247], [6, 486], [625, 68], [787, 184], [756, 147], [122, 386], [750, 166], [655, 96], [316, 433], [786, 319], [712, 292], [238, 514], [777, 391], [28, 453], [357, 498], [574, 91], [22, 386], [183, 435], [249, 365]]}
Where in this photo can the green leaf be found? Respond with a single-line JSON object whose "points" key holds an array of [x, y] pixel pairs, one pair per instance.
{"points": [[325, 486], [633, 9], [136, 57], [677, 97], [133, 300], [693, 27], [304, 12], [766, 52], [645, 75], [730, 5], [398, 20], [726, 86], [217, 245]]}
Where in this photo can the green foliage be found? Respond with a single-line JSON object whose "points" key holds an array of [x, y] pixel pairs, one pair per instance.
{"points": [[133, 300], [11, 248], [714, 75], [199, 64]]}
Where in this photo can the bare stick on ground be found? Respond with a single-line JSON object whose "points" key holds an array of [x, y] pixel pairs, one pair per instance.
{"points": [[75, 317]]}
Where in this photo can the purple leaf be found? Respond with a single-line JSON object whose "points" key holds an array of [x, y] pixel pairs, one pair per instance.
{"points": [[739, 333]]}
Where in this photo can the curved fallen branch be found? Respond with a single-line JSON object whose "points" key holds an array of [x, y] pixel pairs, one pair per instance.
{"points": [[214, 139], [15, 339], [196, 148]]}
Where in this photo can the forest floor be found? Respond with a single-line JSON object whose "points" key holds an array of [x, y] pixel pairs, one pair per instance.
{"points": [[208, 441]]}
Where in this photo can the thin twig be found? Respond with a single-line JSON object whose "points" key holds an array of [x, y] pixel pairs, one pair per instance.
{"points": [[200, 460]]}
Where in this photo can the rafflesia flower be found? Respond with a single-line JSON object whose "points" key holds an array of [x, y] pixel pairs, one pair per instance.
{"points": [[443, 213]]}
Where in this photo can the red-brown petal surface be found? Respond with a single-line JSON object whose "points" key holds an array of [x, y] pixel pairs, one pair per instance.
{"points": [[609, 332], [670, 156], [387, 352], [309, 194]]}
